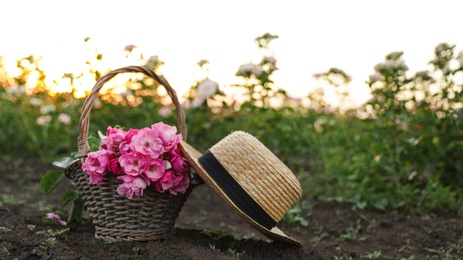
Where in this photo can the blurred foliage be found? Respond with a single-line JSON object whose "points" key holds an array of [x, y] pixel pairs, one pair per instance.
{"points": [[400, 150]]}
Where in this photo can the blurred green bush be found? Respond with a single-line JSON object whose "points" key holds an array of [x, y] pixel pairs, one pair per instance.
{"points": [[400, 150]]}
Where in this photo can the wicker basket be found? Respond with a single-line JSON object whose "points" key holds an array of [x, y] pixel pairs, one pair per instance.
{"points": [[150, 217]]}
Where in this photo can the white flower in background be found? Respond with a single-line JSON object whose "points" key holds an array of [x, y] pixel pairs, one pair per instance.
{"points": [[202, 62], [165, 111], [186, 104], [424, 75], [317, 75], [394, 55], [207, 88], [154, 62], [249, 69], [36, 101], [64, 119], [16, 90], [127, 93], [376, 77], [270, 59], [154, 58], [395, 65], [318, 125], [46, 109], [43, 120], [129, 47]]}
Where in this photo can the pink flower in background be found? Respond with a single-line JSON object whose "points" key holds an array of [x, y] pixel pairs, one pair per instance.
{"points": [[132, 187], [64, 119], [197, 102], [207, 88], [147, 142], [434, 107], [249, 69], [165, 111], [131, 163], [271, 60], [130, 47], [43, 120], [55, 217]]}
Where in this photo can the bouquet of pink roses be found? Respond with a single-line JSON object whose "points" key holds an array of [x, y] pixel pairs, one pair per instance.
{"points": [[141, 158]]}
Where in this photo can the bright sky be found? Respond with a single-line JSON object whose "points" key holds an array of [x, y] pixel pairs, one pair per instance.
{"points": [[352, 35]]}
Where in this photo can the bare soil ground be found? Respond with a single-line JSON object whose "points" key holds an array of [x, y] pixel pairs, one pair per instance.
{"points": [[208, 229]]}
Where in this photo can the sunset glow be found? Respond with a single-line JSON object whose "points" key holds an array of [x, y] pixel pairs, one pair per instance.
{"points": [[313, 37]]}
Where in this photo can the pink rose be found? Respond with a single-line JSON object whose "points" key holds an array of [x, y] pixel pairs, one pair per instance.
{"points": [[114, 137], [154, 169], [97, 162], [166, 181], [129, 135], [179, 164], [114, 131], [55, 217], [168, 135], [124, 147], [132, 163], [174, 182], [133, 186], [115, 167], [147, 142], [183, 181], [95, 178]]}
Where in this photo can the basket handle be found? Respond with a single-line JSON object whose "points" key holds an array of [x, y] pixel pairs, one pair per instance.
{"points": [[82, 140]]}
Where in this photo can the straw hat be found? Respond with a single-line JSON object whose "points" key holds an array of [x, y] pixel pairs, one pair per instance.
{"points": [[251, 179]]}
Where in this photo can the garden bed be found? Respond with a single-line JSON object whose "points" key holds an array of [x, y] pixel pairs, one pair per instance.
{"points": [[207, 229]]}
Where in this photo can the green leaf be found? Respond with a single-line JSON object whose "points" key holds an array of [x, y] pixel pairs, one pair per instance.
{"points": [[50, 181], [68, 196], [77, 210]]}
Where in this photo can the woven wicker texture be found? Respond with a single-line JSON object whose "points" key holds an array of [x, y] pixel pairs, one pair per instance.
{"points": [[150, 217], [261, 174]]}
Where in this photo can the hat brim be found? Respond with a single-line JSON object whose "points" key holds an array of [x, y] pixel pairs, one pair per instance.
{"points": [[192, 156]]}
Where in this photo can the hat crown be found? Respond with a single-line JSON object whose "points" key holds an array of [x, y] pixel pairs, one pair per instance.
{"points": [[265, 178]]}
